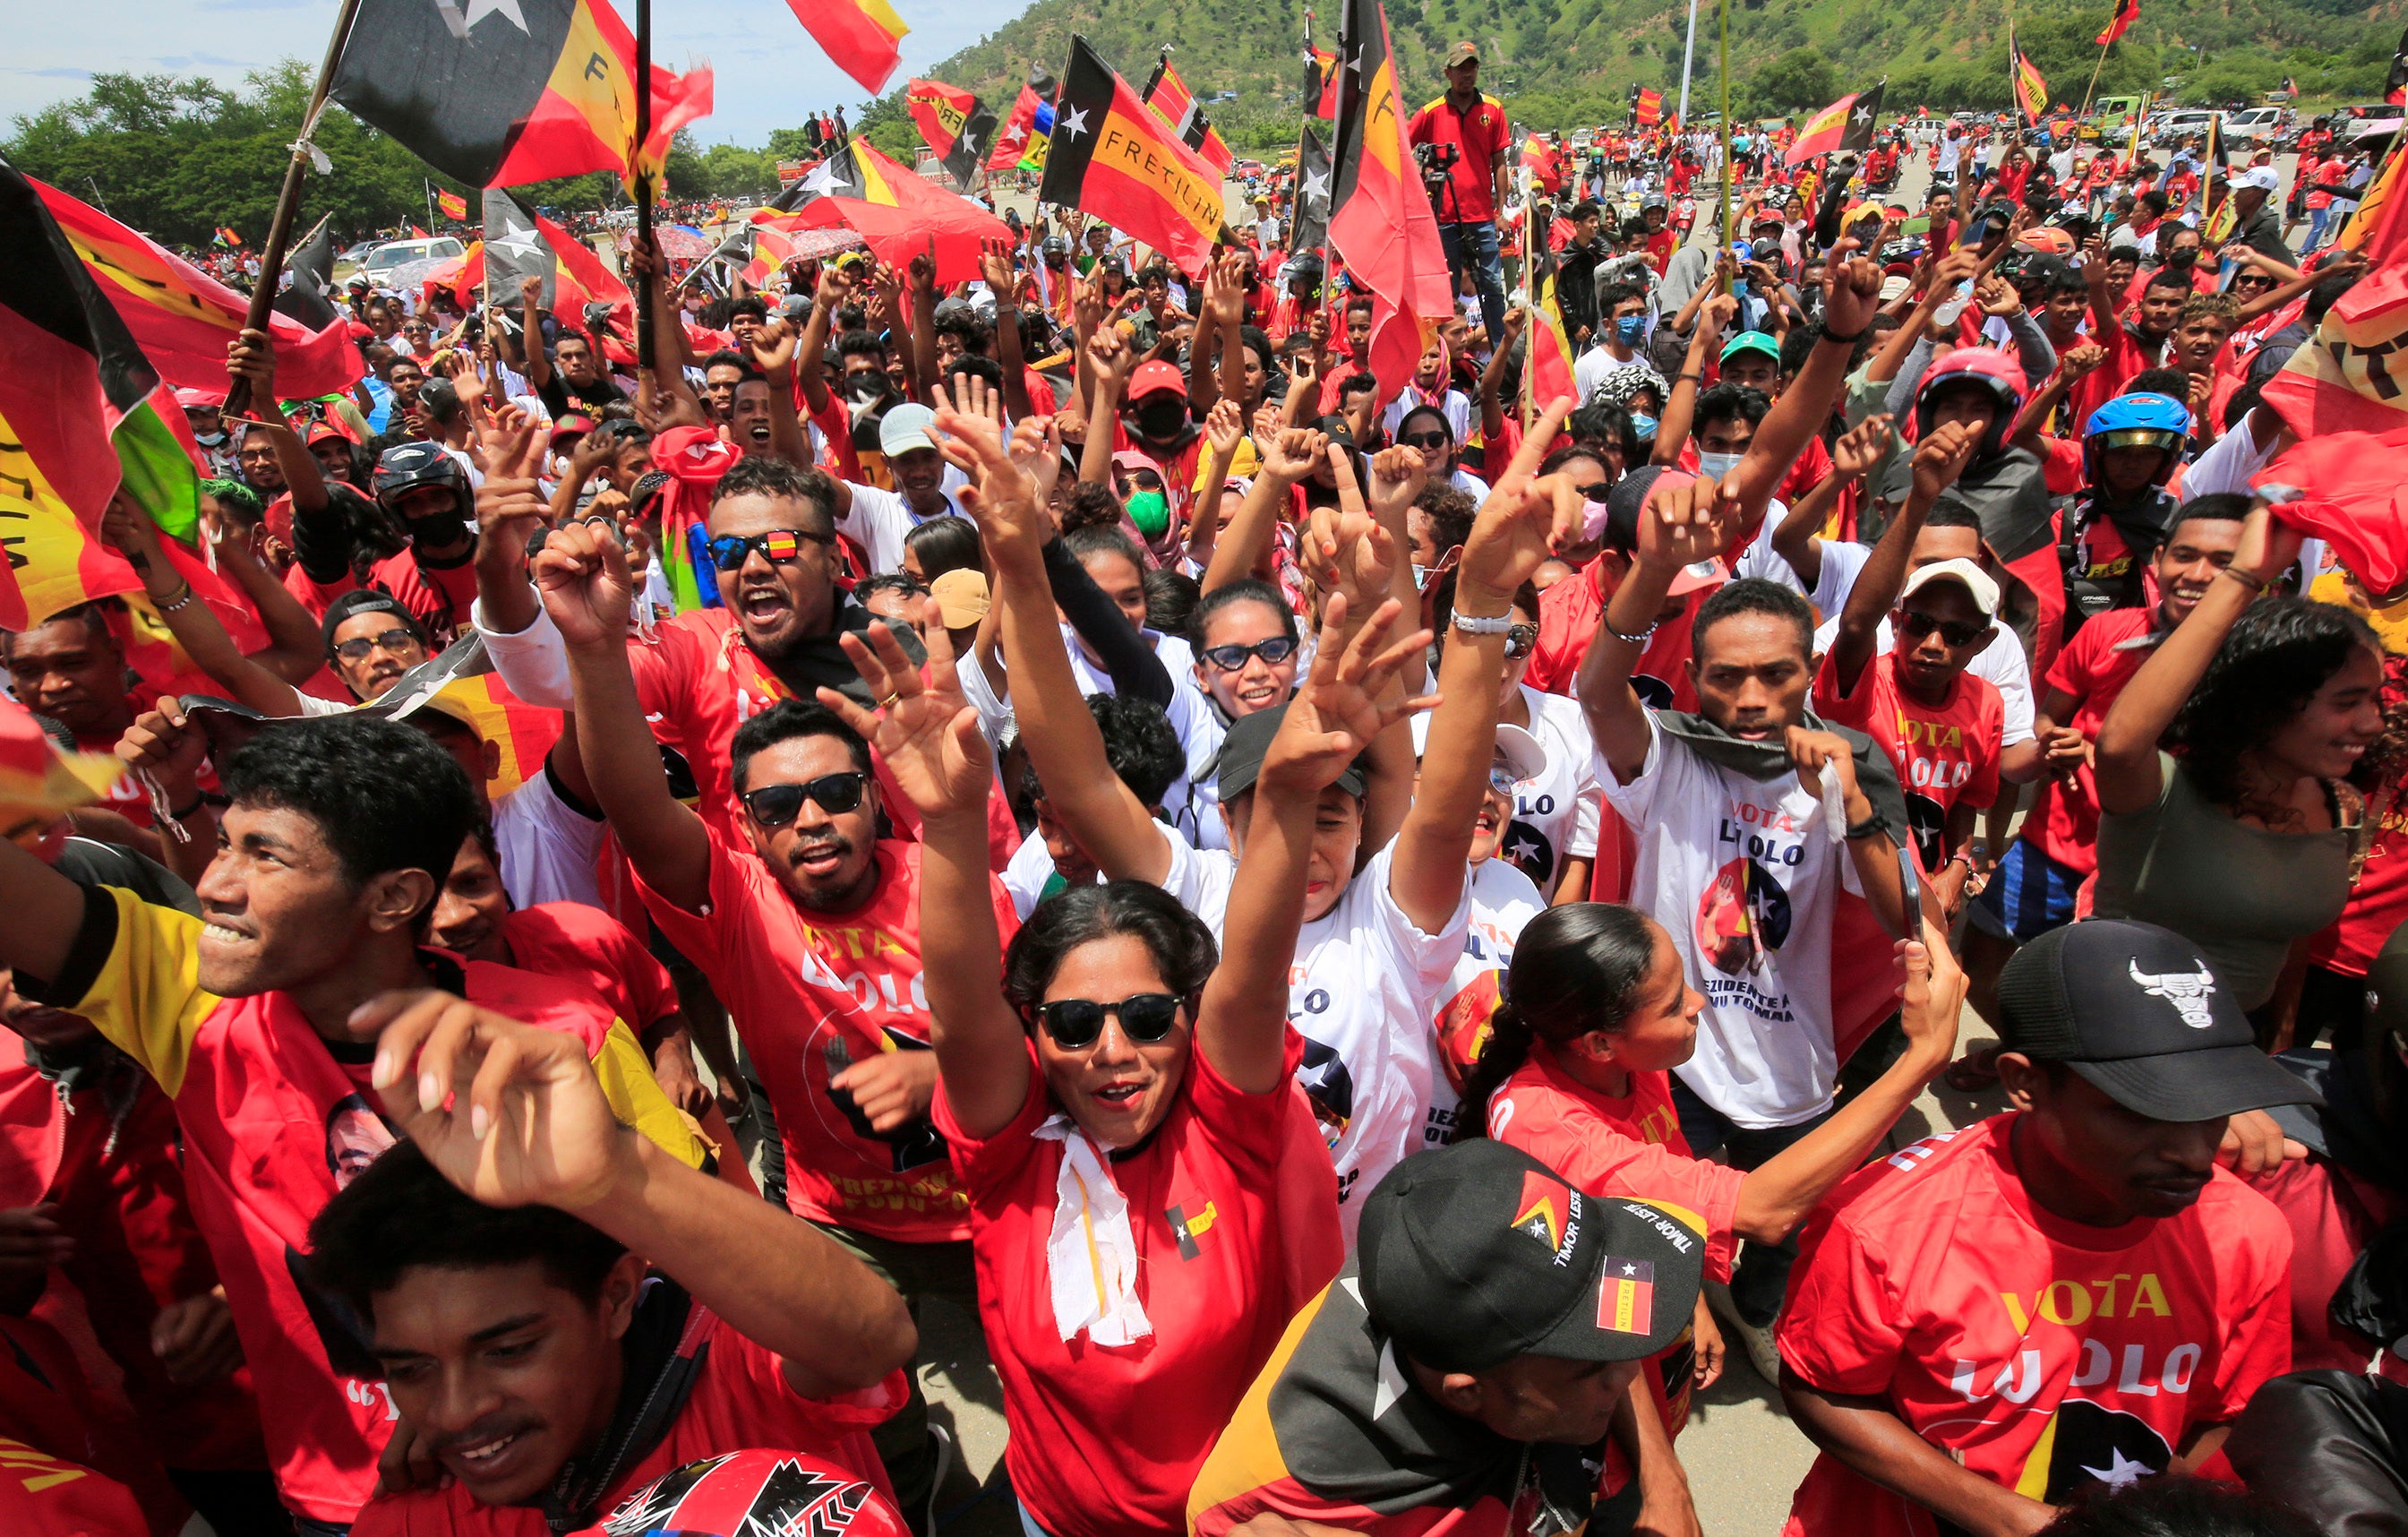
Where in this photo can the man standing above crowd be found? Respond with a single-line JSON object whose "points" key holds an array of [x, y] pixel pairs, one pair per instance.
{"points": [[1472, 127]]}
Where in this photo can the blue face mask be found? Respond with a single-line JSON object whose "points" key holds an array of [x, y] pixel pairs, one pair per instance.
{"points": [[1630, 328], [1642, 428], [1716, 465]]}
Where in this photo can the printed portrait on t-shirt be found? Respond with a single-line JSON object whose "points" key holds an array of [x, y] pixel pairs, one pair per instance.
{"points": [[356, 1137], [1743, 918]]}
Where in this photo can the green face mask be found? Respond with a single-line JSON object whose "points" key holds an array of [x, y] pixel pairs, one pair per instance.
{"points": [[1151, 512]]}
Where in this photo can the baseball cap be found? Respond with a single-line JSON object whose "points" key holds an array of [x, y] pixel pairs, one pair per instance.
{"points": [[1240, 760], [1463, 52], [2137, 1011], [200, 400], [362, 600], [572, 424], [1751, 341], [1522, 752], [1473, 1254], [904, 428], [1154, 378], [1956, 569], [960, 597], [1628, 498], [1895, 287], [2264, 178], [319, 432]]}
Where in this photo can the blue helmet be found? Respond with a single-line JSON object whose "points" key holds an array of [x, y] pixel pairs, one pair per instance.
{"points": [[2137, 420]]}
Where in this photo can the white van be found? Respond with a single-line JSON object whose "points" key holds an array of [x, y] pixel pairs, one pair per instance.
{"points": [[395, 255], [2257, 126]]}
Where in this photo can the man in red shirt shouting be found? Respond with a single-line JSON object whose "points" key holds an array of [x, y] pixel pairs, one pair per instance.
{"points": [[1469, 136]]}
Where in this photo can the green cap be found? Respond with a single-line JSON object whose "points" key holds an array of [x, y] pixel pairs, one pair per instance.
{"points": [[1751, 341]]}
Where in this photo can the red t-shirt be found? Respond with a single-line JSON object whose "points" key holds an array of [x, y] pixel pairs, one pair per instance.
{"points": [[1107, 1439], [585, 945], [2093, 672], [1630, 1147], [273, 1124], [812, 993], [59, 1471], [2332, 1215], [43, 1496], [1479, 135], [1944, 756], [2037, 1353], [740, 1399], [1569, 614], [2125, 358]]}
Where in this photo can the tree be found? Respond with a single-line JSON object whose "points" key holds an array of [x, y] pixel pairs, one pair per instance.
{"points": [[1799, 79]]}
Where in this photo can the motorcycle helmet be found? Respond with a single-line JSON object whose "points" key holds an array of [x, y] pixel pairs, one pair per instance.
{"points": [[1985, 367], [743, 1494], [406, 468], [2136, 421]]}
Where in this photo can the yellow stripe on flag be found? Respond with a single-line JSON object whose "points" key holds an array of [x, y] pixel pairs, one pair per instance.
{"points": [[882, 15], [1135, 150]]}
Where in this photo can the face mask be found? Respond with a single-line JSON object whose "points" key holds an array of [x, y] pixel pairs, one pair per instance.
{"points": [[1161, 418], [867, 388], [1151, 512], [436, 532], [1643, 426], [2181, 258], [1630, 328], [208, 439], [1716, 465]]}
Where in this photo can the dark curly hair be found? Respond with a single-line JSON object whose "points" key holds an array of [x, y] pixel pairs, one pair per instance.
{"points": [[2280, 652], [1181, 946]]}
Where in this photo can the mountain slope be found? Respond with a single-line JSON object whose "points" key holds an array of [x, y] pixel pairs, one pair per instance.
{"points": [[1562, 64]]}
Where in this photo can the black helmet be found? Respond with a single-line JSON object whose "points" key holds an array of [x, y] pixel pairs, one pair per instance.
{"points": [[405, 468]]}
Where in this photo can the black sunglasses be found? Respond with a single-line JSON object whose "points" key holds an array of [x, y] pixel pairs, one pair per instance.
{"points": [[1595, 491], [776, 805], [779, 547], [1425, 440], [357, 648], [1917, 626], [1078, 1023], [1232, 657]]}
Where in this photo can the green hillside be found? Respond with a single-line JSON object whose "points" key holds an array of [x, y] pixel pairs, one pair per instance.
{"points": [[1560, 65]]}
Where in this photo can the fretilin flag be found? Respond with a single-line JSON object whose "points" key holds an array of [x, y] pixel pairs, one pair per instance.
{"points": [[1012, 142], [515, 250], [1379, 219], [2352, 376], [1843, 127], [450, 205], [1175, 105], [497, 92], [2031, 90], [1113, 158], [1648, 111], [1320, 83], [82, 415], [865, 38], [1312, 193], [954, 124], [2127, 12], [312, 267]]}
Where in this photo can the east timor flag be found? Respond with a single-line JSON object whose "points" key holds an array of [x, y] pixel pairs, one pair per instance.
{"points": [[83, 413], [1846, 125], [497, 93], [1113, 158], [1380, 218], [2127, 12]]}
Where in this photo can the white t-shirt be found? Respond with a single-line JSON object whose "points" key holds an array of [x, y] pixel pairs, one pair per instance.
{"points": [[2002, 662], [1556, 814], [1502, 900], [1192, 718], [1469, 485], [881, 518], [1842, 560], [1027, 875], [548, 847], [1740, 873], [1362, 993]]}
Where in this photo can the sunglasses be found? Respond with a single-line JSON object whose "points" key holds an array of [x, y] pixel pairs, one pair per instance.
{"points": [[1595, 491], [1519, 641], [1502, 780], [1425, 440], [1078, 1023], [776, 805], [779, 547], [1917, 626], [357, 648], [1232, 657]]}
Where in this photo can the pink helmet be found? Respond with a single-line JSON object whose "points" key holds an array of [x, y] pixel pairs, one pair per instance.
{"points": [[1986, 365]]}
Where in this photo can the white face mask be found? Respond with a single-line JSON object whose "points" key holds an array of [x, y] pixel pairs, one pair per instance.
{"points": [[208, 439], [1716, 465]]}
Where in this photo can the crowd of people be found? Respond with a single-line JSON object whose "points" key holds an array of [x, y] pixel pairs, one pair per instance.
{"points": [[670, 852]]}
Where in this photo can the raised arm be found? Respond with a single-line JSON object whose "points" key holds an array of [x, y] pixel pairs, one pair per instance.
{"points": [[2077, 362], [127, 529], [1243, 546], [1681, 524], [582, 574], [527, 1124], [539, 366], [2125, 758], [1681, 411], [1492, 377], [994, 264], [1851, 294], [252, 357], [772, 350], [1798, 539]]}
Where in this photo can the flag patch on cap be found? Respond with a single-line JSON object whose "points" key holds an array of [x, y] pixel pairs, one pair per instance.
{"points": [[1626, 1298], [1544, 1209]]}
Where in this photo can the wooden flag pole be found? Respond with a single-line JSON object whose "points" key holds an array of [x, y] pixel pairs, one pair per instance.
{"points": [[1529, 298], [288, 201], [644, 183], [2092, 88], [1722, 281]]}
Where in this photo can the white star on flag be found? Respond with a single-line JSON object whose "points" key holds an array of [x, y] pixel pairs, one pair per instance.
{"points": [[518, 243], [822, 181], [480, 9], [1316, 186], [1014, 133], [1074, 121], [970, 142], [2119, 1470], [1862, 113], [1629, 1270]]}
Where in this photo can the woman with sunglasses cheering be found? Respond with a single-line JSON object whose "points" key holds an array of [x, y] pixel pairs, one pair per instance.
{"points": [[1116, 1103]]}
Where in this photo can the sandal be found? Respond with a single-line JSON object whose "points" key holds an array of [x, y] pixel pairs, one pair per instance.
{"points": [[1977, 1070]]}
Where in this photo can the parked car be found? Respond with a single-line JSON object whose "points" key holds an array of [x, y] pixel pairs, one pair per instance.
{"points": [[1246, 170], [2257, 126], [2175, 128], [381, 263]]}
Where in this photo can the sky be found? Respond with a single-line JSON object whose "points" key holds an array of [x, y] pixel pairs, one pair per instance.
{"points": [[769, 74]]}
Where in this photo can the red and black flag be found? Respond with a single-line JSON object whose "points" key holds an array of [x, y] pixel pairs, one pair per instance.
{"points": [[312, 268], [2127, 12], [1312, 230], [1175, 105], [497, 92], [1113, 158], [1647, 107], [1843, 127], [1379, 219], [2031, 90], [893, 207], [1320, 82], [1012, 141], [956, 126]]}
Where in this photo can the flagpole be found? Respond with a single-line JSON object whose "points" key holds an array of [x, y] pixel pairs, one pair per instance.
{"points": [[1529, 299], [288, 201], [1722, 282], [2092, 88], [1689, 49], [643, 182]]}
